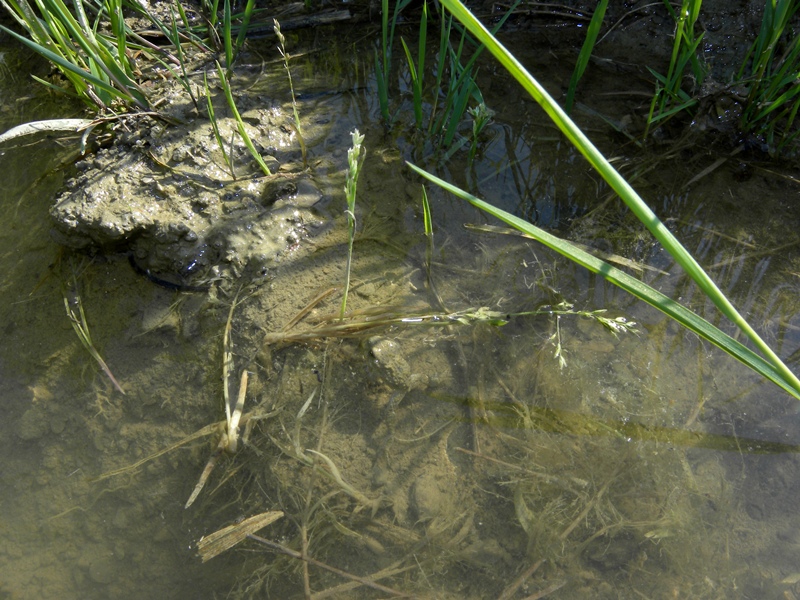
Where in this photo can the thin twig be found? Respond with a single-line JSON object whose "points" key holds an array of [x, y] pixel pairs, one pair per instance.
{"points": [[556, 585], [509, 592], [308, 308], [312, 561]]}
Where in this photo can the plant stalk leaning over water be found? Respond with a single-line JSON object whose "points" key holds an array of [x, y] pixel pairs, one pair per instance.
{"points": [[353, 168], [215, 127], [771, 367], [282, 49], [226, 87]]}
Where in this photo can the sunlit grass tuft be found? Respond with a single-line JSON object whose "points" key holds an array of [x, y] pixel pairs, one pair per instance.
{"points": [[97, 66]]}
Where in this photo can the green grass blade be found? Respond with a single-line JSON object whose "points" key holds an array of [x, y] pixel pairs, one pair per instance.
{"points": [[215, 127], [239, 123], [416, 85], [226, 35], [640, 290], [636, 204], [248, 14], [114, 9], [586, 51]]}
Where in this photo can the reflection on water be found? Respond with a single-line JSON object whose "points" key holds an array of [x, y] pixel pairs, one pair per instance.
{"points": [[454, 459]]}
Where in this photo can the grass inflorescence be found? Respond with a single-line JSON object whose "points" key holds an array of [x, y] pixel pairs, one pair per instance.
{"points": [[354, 162]]}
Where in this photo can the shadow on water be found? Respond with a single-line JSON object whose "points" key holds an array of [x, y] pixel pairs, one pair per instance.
{"points": [[458, 460]]}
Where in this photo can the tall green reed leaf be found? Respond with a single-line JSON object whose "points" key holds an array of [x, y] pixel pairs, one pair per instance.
{"points": [[382, 64], [418, 70], [227, 35], [117, 21], [788, 380], [242, 35], [176, 42]]}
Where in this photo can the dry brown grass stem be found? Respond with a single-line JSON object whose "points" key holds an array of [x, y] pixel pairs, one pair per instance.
{"points": [[207, 430], [512, 588], [312, 561], [218, 542]]}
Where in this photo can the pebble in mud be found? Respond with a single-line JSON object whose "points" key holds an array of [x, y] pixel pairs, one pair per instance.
{"points": [[432, 496], [32, 425], [393, 366]]}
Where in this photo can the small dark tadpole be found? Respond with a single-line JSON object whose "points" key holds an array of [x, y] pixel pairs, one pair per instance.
{"points": [[170, 285]]}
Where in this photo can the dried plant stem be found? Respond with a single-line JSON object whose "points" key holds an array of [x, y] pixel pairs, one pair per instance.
{"points": [[207, 430], [312, 561], [218, 542], [81, 327], [212, 462], [511, 590]]}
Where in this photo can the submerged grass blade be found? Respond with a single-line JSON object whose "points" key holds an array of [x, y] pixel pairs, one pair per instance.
{"points": [[81, 327], [638, 206], [644, 292]]}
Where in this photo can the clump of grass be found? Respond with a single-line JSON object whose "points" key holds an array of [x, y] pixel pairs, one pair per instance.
{"points": [[670, 97], [383, 62], [96, 65], [455, 88], [481, 116], [354, 162], [773, 63]]}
